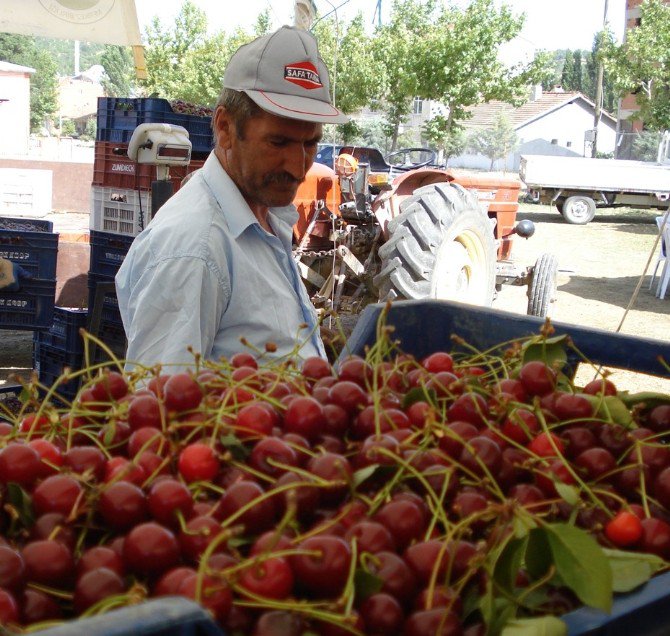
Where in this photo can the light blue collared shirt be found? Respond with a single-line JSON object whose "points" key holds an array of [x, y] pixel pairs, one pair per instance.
{"points": [[205, 274]]}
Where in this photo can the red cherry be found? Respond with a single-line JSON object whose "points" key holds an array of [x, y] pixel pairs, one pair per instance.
{"points": [[438, 361], [167, 498], [9, 609], [198, 462], [324, 567], [58, 493], [12, 569], [543, 447], [145, 410], [150, 548], [19, 463], [600, 386], [49, 562], [182, 393], [269, 578], [100, 556], [254, 420], [314, 368], [623, 530], [94, 586], [537, 378], [304, 416]]}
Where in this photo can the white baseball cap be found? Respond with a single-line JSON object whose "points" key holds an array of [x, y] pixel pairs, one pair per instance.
{"points": [[283, 73]]}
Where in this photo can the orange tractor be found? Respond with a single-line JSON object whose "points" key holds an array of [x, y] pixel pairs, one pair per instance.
{"points": [[411, 232]]}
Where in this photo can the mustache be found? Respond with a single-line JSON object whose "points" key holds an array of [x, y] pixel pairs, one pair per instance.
{"points": [[282, 179]]}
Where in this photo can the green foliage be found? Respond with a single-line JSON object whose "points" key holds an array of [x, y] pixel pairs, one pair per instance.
{"points": [[641, 65], [120, 71], [22, 50], [645, 145], [263, 24], [68, 128], [90, 129], [450, 140], [495, 142], [62, 52]]}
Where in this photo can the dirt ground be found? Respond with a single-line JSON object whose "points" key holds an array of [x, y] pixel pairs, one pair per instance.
{"points": [[600, 265]]}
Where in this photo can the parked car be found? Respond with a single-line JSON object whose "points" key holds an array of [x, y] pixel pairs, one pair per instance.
{"points": [[325, 154]]}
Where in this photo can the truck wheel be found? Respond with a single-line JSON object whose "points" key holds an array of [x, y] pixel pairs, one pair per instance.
{"points": [[543, 286], [440, 246], [579, 210]]}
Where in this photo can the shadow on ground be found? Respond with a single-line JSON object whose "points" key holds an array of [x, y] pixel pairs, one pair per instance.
{"points": [[609, 290]]}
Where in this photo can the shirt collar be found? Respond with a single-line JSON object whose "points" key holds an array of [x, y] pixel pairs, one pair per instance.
{"points": [[238, 213]]}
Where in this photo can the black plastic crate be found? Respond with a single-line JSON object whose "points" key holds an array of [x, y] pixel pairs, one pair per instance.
{"points": [[64, 331], [119, 116], [30, 243], [31, 307], [49, 363], [110, 305], [107, 252]]}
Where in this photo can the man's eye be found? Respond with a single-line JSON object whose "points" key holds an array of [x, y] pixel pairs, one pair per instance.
{"points": [[278, 143]]}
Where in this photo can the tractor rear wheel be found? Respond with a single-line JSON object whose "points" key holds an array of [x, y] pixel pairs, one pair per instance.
{"points": [[440, 246]]}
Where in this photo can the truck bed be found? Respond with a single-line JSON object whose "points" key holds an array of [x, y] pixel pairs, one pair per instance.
{"points": [[583, 173]]}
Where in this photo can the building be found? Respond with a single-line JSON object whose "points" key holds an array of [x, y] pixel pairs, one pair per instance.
{"points": [[14, 108], [627, 105], [549, 123]]}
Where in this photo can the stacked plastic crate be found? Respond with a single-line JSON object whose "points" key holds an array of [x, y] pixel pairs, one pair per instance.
{"points": [[28, 258], [121, 197]]}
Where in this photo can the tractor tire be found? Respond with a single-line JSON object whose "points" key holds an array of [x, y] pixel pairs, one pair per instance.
{"points": [[543, 286], [579, 210], [440, 246]]}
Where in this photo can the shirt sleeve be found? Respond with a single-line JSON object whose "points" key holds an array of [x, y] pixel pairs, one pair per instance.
{"points": [[175, 305]]}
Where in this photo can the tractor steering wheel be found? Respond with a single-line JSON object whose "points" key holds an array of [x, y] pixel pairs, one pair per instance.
{"points": [[410, 158]]}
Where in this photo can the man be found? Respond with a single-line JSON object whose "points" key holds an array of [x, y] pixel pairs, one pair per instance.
{"points": [[215, 266]]}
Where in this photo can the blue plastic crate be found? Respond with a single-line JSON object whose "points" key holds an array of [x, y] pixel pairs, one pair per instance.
{"points": [[107, 252], [423, 327], [64, 331], [110, 305], [30, 243], [169, 616], [426, 326], [31, 307], [119, 116], [49, 363]]}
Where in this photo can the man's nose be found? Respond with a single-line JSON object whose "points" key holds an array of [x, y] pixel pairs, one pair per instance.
{"points": [[297, 162]]}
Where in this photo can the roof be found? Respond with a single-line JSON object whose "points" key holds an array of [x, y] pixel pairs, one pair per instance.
{"points": [[8, 67], [484, 115]]}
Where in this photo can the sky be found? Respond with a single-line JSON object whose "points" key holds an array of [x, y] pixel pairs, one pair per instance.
{"points": [[550, 24]]}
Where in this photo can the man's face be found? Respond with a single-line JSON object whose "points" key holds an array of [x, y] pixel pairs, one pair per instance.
{"points": [[272, 158]]}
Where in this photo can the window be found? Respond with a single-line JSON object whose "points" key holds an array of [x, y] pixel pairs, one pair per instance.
{"points": [[569, 144], [417, 106], [554, 142]]}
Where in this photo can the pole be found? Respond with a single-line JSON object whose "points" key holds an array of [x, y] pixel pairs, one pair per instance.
{"points": [[599, 88]]}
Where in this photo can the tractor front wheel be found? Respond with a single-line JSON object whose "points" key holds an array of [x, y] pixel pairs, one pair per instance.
{"points": [[440, 246]]}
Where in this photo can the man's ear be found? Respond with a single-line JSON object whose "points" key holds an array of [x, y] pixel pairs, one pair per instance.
{"points": [[224, 127]]}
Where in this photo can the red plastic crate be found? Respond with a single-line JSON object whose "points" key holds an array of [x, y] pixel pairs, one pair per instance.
{"points": [[114, 170]]}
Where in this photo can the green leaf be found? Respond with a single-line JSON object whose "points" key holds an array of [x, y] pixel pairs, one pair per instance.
{"points": [[551, 351], [538, 555], [632, 569], [648, 398], [581, 564], [522, 523], [497, 612], [541, 626], [22, 503], [611, 409], [363, 474], [236, 448], [366, 584], [419, 394], [509, 562], [567, 493]]}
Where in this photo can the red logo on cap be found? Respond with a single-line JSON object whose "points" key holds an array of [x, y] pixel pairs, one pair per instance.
{"points": [[303, 74]]}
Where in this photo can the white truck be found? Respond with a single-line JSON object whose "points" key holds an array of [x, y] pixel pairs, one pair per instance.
{"points": [[579, 185]]}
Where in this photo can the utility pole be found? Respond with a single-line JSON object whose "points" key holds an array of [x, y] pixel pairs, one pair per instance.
{"points": [[378, 13], [599, 89]]}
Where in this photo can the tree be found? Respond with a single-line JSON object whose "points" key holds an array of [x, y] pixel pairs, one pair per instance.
{"points": [[396, 50], [450, 140], [495, 142], [183, 62], [641, 65], [458, 65], [167, 49], [21, 49], [120, 71], [354, 71]]}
